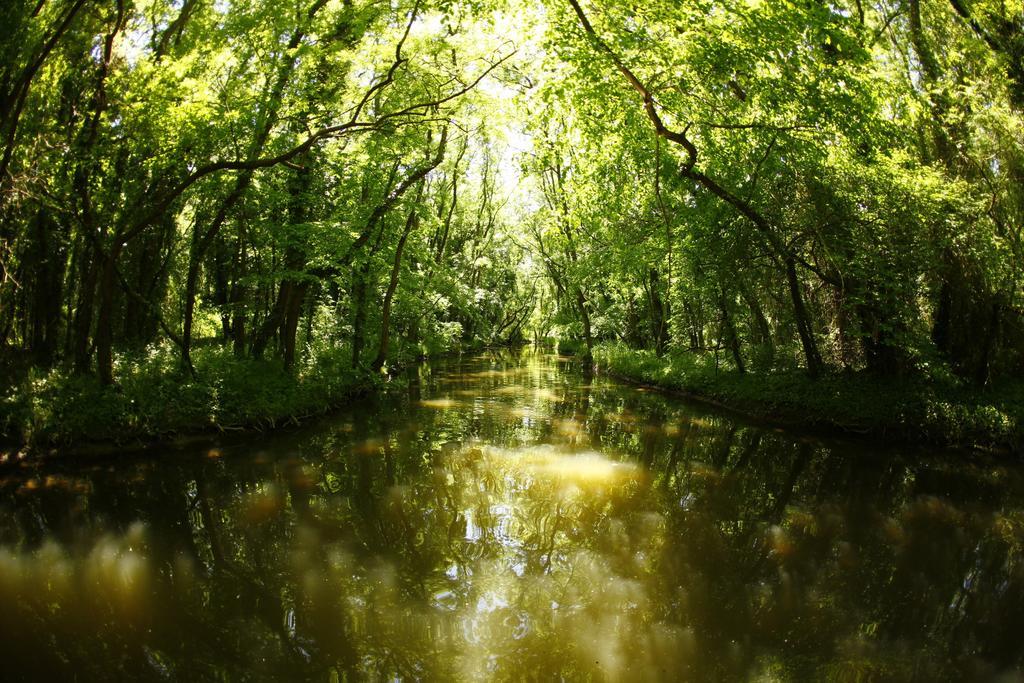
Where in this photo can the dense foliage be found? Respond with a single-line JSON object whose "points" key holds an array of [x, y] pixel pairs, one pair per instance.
{"points": [[904, 409], [810, 185], [835, 185]]}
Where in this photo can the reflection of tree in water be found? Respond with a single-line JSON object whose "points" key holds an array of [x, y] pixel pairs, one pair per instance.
{"points": [[438, 537]]}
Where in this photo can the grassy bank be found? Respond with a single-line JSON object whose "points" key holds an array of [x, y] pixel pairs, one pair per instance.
{"points": [[912, 410], [153, 400]]}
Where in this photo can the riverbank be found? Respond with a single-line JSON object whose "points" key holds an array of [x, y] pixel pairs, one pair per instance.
{"points": [[912, 411], [154, 402]]}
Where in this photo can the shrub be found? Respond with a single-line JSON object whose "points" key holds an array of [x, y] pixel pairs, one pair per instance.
{"points": [[930, 410], [155, 398]]}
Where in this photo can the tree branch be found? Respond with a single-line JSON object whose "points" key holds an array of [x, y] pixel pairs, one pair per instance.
{"points": [[352, 125], [649, 105]]}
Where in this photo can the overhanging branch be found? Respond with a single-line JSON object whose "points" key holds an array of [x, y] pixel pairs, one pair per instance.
{"points": [[648, 97]]}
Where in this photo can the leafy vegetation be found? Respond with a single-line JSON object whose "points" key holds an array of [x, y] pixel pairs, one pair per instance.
{"points": [[152, 400], [192, 191], [926, 412]]}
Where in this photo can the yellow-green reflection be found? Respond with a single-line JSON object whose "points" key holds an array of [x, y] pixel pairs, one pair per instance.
{"points": [[535, 528], [520, 577]]}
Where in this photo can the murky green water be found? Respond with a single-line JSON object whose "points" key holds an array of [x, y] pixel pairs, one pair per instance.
{"points": [[507, 520]]}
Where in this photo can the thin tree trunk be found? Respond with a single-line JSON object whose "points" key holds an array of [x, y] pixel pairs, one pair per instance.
{"points": [[385, 321], [581, 304], [84, 309], [359, 277], [293, 311], [761, 326], [732, 338], [105, 317], [803, 323], [273, 321], [238, 295]]}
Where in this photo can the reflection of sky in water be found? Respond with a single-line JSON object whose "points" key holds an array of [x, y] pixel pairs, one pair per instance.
{"points": [[504, 521]]}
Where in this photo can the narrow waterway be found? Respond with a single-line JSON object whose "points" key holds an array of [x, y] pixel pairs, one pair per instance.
{"points": [[506, 518]]}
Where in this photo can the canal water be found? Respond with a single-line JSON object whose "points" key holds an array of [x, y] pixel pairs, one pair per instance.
{"points": [[506, 518]]}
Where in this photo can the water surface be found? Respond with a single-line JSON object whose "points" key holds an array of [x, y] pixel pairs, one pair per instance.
{"points": [[506, 518]]}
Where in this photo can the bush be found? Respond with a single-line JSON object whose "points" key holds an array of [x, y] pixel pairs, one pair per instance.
{"points": [[928, 410], [570, 347], [154, 398]]}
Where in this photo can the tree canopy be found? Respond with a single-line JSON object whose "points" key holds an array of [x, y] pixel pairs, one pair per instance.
{"points": [[785, 184]]}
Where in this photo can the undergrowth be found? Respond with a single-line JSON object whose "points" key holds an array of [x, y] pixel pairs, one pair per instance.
{"points": [[915, 409], [154, 398]]}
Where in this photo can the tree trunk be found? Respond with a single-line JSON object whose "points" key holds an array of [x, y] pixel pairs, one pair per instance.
{"points": [[84, 309], [47, 285], [293, 311], [273, 322], [730, 333], [221, 285], [191, 284], [803, 323], [359, 284], [762, 328], [238, 294], [385, 321], [581, 304], [105, 318], [659, 315]]}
